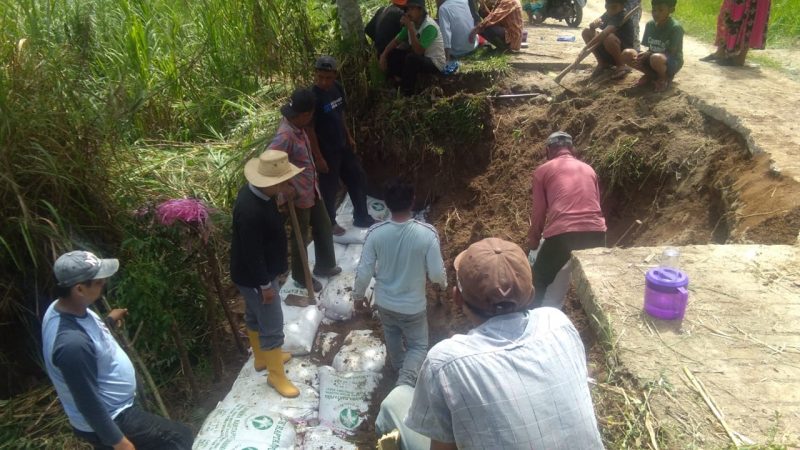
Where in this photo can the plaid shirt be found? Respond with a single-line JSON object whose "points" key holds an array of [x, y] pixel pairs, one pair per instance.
{"points": [[294, 142]]}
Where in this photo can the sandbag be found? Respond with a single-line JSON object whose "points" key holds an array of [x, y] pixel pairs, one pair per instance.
{"points": [[326, 343], [350, 257], [338, 251], [252, 391], [240, 426], [323, 438], [300, 328], [336, 300], [362, 351], [345, 397], [352, 234]]}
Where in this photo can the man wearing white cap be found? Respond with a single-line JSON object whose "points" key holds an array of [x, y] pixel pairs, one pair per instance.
{"points": [[566, 211], [259, 254], [515, 381], [93, 377]]}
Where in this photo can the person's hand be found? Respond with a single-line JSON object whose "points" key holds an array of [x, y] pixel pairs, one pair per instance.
{"points": [[595, 24], [407, 22], [124, 444], [533, 244], [118, 314], [438, 287], [267, 295]]}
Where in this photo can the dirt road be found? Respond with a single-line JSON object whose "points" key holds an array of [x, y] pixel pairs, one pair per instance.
{"points": [[759, 103]]}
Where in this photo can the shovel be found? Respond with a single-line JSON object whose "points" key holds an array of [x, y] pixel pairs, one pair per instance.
{"points": [[587, 50], [294, 299]]}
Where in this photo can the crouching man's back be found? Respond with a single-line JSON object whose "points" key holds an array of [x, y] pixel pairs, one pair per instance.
{"points": [[515, 381]]}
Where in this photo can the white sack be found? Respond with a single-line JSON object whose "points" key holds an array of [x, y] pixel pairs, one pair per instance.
{"points": [[300, 328], [251, 390], [323, 438], [336, 300], [239, 426], [361, 352], [345, 397], [338, 250]]}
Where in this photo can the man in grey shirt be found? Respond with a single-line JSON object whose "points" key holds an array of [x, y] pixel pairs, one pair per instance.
{"points": [[518, 379], [455, 23], [399, 253]]}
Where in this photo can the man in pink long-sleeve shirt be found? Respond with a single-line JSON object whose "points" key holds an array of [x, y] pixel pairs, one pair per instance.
{"points": [[566, 211]]}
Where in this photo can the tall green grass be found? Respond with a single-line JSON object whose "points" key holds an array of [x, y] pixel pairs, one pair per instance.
{"points": [[699, 18]]}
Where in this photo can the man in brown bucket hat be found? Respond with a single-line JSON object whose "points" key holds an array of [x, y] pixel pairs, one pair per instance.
{"points": [[259, 254], [515, 381]]}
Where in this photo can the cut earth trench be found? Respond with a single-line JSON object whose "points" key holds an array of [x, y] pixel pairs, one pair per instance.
{"points": [[687, 177]]}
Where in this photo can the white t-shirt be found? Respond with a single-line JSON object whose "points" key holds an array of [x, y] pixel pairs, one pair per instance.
{"points": [[455, 23]]}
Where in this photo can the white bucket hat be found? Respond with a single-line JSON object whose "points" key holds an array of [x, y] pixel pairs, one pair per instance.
{"points": [[270, 168]]}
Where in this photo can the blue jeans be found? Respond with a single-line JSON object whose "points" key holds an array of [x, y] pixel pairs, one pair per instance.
{"points": [[267, 319], [146, 431], [414, 327]]}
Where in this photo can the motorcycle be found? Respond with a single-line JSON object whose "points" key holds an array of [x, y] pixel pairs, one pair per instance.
{"points": [[570, 11]]}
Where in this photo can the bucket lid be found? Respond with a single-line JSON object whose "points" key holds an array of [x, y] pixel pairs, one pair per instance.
{"points": [[667, 277]]}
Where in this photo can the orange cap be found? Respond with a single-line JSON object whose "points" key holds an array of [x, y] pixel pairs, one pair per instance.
{"points": [[399, 2]]}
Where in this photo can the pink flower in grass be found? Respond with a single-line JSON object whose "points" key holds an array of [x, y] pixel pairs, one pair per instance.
{"points": [[187, 210]]}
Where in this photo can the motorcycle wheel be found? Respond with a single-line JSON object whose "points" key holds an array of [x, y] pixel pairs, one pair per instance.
{"points": [[575, 16], [537, 18]]}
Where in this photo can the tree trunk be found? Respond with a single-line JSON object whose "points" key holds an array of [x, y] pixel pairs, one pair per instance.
{"points": [[351, 22]]}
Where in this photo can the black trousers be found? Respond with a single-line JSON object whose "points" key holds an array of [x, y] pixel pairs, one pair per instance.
{"points": [[407, 65], [555, 252], [496, 35], [146, 431], [344, 165]]}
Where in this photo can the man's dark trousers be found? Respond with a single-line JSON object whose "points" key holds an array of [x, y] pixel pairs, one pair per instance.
{"points": [[555, 251], [146, 431], [344, 164], [407, 65]]}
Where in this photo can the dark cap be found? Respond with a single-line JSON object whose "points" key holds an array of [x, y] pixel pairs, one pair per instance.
{"points": [[326, 62], [494, 276], [79, 266], [417, 3], [559, 138], [301, 101]]}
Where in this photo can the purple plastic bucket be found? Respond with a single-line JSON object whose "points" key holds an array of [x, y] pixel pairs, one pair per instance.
{"points": [[665, 293]]}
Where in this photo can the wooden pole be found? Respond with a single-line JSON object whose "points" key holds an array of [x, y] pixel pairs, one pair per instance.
{"points": [[302, 250], [126, 343], [213, 262], [183, 355]]}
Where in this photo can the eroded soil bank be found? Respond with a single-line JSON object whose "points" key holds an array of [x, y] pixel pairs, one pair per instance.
{"points": [[687, 177]]}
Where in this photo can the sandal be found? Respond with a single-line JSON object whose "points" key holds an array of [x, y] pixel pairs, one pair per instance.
{"points": [[620, 73], [642, 82], [661, 85], [599, 70], [709, 58]]}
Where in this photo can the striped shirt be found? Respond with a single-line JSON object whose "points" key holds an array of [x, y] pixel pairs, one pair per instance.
{"points": [[399, 255], [294, 142], [517, 381]]}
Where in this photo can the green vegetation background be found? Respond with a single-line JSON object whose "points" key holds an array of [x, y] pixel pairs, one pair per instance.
{"points": [[699, 18]]}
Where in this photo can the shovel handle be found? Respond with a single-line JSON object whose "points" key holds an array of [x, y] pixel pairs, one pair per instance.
{"points": [[302, 250]]}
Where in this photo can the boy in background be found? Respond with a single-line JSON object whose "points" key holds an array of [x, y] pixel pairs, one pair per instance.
{"points": [[615, 34], [663, 36]]}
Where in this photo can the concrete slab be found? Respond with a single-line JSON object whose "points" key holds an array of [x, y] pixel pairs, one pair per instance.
{"points": [[545, 52], [740, 338]]}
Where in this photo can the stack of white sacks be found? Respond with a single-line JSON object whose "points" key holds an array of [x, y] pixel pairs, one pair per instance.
{"points": [[333, 401]]}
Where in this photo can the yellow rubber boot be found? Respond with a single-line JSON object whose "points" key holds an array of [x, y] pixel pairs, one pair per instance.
{"points": [[259, 361], [277, 377]]}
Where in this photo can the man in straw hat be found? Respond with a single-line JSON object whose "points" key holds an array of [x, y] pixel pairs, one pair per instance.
{"points": [[311, 212], [93, 377], [515, 381], [259, 255]]}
